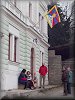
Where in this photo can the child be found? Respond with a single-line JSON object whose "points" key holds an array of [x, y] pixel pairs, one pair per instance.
{"points": [[29, 81], [35, 82]]}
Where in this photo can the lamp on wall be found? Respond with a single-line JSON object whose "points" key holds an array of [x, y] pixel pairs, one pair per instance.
{"points": [[35, 40]]}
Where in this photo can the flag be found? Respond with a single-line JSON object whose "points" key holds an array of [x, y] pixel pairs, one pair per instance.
{"points": [[52, 16]]}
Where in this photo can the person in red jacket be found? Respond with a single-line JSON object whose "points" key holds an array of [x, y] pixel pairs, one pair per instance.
{"points": [[43, 72]]}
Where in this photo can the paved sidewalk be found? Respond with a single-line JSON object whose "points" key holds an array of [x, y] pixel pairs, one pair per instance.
{"points": [[52, 91], [26, 92]]}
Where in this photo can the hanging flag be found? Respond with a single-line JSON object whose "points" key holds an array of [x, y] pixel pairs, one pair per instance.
{"points": [[52, 16]]}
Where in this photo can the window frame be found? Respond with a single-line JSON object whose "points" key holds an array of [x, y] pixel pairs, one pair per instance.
{"points": [[12, 48], [30, 10]]}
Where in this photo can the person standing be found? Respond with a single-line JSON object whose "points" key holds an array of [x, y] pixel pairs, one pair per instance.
{"points": [[43, 72], [64, 80], [69, 82]]}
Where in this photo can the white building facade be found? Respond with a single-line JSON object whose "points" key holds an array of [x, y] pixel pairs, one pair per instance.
{"points": [[24, 40]]}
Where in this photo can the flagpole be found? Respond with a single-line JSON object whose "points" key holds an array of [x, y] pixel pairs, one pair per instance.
{"points": [[36, 23], [40, 20]]}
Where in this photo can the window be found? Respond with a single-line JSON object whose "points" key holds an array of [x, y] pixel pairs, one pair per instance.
{"points": [[42, 58], [30, 10], [9, 47], [13, 1], [13, 48], [39, 19], [41, 22]]}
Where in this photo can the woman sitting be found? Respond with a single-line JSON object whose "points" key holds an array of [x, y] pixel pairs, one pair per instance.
{"points": [[23, 78]]}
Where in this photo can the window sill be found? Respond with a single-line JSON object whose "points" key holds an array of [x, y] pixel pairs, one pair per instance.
{"points": [[13, 62]]}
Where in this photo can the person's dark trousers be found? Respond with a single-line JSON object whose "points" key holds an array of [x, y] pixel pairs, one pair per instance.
{"points": [[69, 88], [29, 84], [23, 82], [65, 88], [25, 85]]}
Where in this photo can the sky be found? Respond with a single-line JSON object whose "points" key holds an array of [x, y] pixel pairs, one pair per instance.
{"points": [[67, 3]]}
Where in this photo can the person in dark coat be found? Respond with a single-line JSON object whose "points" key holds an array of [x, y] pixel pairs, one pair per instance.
{"points": [[64, 80], [23, 78], [70, 79]]}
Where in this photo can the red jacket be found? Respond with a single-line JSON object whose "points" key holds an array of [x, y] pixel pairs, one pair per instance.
{"points": [[43, 70]]}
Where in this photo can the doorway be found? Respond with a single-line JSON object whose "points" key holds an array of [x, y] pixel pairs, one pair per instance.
{"points": [[32, 68]]}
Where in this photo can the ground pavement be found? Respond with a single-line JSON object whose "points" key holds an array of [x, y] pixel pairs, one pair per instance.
{"points": [[46, 93], [53, 93]]}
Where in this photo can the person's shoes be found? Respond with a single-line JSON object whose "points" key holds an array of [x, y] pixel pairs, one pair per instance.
{"points": [[32, 88]]}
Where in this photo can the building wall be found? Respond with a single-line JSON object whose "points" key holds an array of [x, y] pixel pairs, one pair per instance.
{"points": [[39, 47], [55, 68], [13, 23], [10, 69]]}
